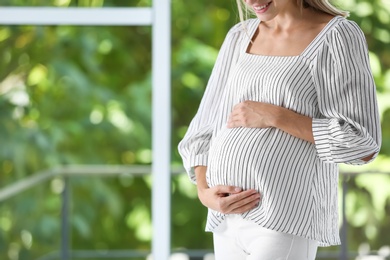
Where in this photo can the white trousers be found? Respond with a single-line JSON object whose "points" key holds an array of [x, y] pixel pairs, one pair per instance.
{"points": [[240, 239]]}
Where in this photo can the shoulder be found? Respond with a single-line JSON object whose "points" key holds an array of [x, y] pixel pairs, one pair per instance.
{"points": [[239, 33], [344, 44], [243, 28], [347, 32]]}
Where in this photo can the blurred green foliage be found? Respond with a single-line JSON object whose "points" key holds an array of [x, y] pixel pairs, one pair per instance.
{"points": [[82, 95]]}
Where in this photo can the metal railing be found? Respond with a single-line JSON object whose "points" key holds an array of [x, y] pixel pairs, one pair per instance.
{"points": [[66, 172], [70, 171]]}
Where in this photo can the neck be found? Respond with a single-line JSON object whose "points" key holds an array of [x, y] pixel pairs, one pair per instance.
{"points": [[290, 18]]}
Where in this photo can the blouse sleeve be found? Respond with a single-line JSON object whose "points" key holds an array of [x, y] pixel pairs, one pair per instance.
{"points": [[194, 147], [349, 126]]}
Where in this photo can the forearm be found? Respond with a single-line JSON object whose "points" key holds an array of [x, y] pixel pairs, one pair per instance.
{"points": [[254, 114], [263, 115], [294, 124], [200, 173], [298, 125]]}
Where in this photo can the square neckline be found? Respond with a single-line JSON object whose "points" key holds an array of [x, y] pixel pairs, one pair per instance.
{"points": [[315, 39]]}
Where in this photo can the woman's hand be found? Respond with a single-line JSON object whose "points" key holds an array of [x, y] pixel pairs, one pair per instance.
{"points": [[224, 199], [228, 199], [254, 114]]}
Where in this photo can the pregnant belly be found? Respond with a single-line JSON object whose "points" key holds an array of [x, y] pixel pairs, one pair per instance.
{"points": [[254, 158]]}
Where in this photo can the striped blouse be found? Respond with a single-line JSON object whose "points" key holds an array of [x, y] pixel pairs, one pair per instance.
{"points": [[331, 82]]}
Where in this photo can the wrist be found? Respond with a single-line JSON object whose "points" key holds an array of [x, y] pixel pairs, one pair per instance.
{"points": [[277, 117], [202, 194], [201, 187]]}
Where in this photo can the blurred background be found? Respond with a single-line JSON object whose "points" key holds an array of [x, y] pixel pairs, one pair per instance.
{"points": [[75, 96]]}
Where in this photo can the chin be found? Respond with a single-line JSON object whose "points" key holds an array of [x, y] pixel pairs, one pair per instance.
{"points": [[265, 18]]}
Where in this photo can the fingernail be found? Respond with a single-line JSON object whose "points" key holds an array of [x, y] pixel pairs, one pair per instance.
{"points": [[237, 189]]}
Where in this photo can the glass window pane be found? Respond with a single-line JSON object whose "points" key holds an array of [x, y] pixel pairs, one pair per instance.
{"points": [[73, 95]]}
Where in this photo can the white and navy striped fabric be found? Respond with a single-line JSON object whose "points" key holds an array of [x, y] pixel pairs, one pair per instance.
{"points": [[331, 82]]}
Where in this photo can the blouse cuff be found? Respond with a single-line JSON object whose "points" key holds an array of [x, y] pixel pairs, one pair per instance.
{"points": [[321, 139], [196, 160]]}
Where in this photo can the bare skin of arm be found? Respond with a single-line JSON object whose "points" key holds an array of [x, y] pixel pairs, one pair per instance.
{"points": [[263, 115], [224, 199]]}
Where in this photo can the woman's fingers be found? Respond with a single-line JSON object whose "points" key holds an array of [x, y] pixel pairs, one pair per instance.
{"points": [[244, 114], [252, 114], [227, 190], [229, 199], [240, 202], [246, 204]]}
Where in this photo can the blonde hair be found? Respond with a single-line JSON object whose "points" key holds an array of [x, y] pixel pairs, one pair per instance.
{"points": [[320, 5]]}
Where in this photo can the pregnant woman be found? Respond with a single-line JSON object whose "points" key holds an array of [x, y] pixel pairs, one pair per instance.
{"points": [[290, 97]]}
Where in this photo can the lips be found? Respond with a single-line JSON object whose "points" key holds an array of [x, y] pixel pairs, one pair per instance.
{"points": [[261, 8]]}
